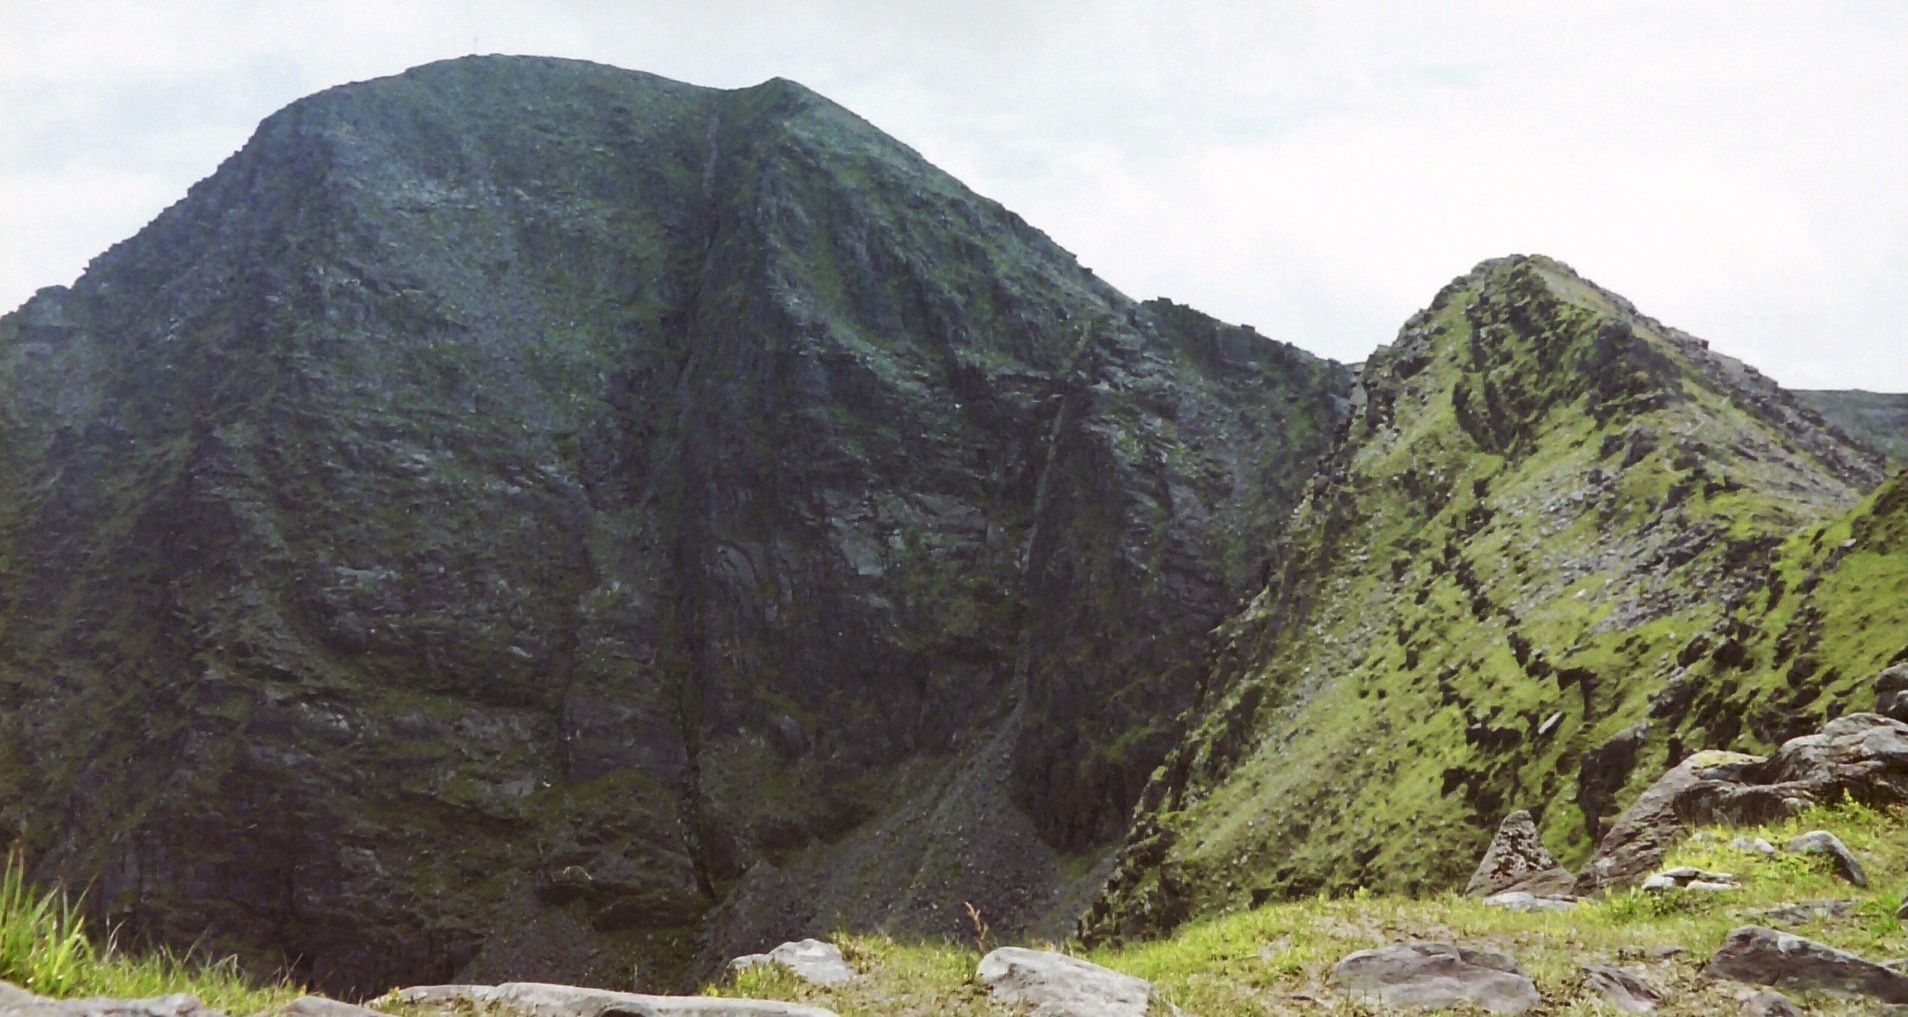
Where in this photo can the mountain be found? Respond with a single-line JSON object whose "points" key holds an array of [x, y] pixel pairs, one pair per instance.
{"points": [[1878, 419], [1557, 547], [522, 518]]}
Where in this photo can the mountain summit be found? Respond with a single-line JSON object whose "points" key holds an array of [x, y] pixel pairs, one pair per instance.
{"points": [[1543, 556], [521, 516]]}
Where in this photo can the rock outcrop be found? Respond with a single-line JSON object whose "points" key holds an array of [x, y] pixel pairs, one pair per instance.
{"points": [[1862, 756], [1762, 956], [1436, 976], [1518, 861]]}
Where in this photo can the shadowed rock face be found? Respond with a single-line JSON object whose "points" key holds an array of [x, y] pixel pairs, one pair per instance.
{"points": [[519, 509]]}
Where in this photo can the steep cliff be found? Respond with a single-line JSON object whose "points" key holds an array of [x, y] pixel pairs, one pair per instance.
{"points": [[521, 517]]}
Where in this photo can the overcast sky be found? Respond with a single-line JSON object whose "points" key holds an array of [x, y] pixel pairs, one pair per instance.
{"points": [[1738, 169]]}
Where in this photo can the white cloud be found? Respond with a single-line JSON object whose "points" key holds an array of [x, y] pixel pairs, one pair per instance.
{"points": [[1315, 169]]}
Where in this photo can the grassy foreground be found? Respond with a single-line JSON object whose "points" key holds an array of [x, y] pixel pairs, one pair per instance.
{"points": [[45, 948], [1274, 959], [1277, 959]]}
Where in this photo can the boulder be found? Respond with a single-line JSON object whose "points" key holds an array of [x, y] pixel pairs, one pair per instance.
{"points": [[1807, 911], [1685, 877], [811, 960], [1056, 985], [1891, 692], [20, 1003], [1641, 836], [319, 1006], [1436, 975], [1768, 1003], [539, 999], [1523, 900], [1863, 756], [1762, 956], [1828, 845], [1517, 860], [1623, 989]]}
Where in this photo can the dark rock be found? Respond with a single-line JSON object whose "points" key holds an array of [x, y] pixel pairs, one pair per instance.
{"points": [[1826, 844], [1625, 990], [1762, 956], [1518, 861], [1435, 975]]}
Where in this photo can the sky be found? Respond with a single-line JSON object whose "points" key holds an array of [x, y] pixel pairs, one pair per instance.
{"points": [[1316, 170]]}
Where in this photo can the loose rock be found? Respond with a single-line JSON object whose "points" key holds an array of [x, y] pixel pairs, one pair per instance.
{"points": [[1626, 990], [1822, 842], [18, 1002], [538, 999], [1517, 860], [1767, 1003], [1891, 692], [1521, 900], [1762, 956], [1056, 985], [1807, 911], [811, 960], [1685, 877], [1433, 975]]}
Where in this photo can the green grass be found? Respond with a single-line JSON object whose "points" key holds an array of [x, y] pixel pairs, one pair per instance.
{"points": [[46, 948], [1278, 958]]}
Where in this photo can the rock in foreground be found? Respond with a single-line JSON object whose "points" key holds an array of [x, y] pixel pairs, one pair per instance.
{"points": [[1762, 956], [1436, 975], [811, 960], [538, 999], [1056, 985]]}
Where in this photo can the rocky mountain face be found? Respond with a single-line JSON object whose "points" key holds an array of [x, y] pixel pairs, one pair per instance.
{"points": [[1558, 547], [1877, 419], [522, 517]]}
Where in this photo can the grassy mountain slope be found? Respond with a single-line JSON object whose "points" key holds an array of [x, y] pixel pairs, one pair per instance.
{"points": [[1531, 565], [1879, 419], [514, 508]]}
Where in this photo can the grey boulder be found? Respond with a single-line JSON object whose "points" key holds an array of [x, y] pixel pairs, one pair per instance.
{"points": [[1518, 861], [1863, 756], [1056, 985], [540, 999], [18, 1002], [1828, 845], [1762, 956], [811, 960], [1891, 692], [1435, 976], [1621, 988]]}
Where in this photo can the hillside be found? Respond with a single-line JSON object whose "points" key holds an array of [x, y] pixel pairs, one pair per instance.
{"points": [[522, 518], [1879, 419], [1559, 545]]}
